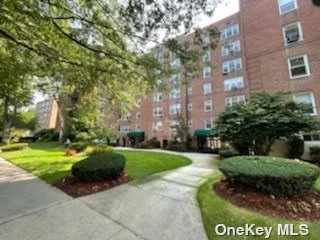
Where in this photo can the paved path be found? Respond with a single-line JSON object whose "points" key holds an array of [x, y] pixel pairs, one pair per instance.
{"points": [[160, 206]]}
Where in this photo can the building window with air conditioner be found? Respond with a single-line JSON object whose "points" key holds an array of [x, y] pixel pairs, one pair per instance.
{"points": [[298, 67], [157, 126], [233, 84], [286, 6], [229, 31], [206, 72], [157, 97], [175, 108], [175, 93], [230, 48], [157, 111], [234, 100], [292, 33], [307, 98], [208, 105], [231, 66]]}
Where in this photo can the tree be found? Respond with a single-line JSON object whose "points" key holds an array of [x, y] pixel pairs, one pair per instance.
{"points": [[264, 118]]}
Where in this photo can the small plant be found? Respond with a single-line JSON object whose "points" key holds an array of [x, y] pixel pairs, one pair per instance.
{"points": [[315, 154], [99, 148], [99, 167], [78, 146], [153, 143], [274, 175], [14, 147], [296, 147], [226, 151]]}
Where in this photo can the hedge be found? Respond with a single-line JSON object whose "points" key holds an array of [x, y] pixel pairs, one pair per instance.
{"points": [[103, 166], [14, 147], [277, 176], [99, 148], [78, 146]]}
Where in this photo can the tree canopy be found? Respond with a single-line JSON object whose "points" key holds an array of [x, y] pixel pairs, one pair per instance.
{"points": [[264, 118]]}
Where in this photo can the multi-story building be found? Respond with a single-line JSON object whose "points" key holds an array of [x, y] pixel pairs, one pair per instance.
{"points": [[47, 114], [271, 45]]}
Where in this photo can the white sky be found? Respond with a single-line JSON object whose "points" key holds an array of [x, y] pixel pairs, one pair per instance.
{"points": [[227, 8]]}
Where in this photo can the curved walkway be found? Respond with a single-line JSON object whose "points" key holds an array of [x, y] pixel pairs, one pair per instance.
{"points": [[159, 206]]}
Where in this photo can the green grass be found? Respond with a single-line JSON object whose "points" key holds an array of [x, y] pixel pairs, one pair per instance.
{"points": [[217, 211], [47, 161]]}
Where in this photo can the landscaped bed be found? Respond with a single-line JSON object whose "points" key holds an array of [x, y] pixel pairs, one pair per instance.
{"points": [[48, 162], [216, 210]]}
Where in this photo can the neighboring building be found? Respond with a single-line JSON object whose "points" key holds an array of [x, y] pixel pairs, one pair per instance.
{"points": [[47, 114], [268, 45]]}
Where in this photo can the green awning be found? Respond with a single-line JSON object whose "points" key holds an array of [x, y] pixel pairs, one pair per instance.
{"points": [[205, 133], [136, 135]]}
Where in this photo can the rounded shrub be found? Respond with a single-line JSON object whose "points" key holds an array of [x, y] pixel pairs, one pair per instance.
{"points": [[13, 147], [78, 146], [277, 176], [98, 167], [226, 151]]}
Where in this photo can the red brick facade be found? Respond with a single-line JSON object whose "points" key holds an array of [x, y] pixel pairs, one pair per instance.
{"points": [[264, 65]]}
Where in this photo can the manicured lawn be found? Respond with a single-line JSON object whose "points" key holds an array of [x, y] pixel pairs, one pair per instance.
{"points": [[46, 161], [217, 211]]}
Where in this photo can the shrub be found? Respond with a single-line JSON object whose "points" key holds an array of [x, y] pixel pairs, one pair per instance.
{"points": [[142, 146], [47, 135], [14, 147], [315, 153], [226, 151], [103, 166], [153, 143], [296, 147], [274, 175], [99, 148], [78, 146]]}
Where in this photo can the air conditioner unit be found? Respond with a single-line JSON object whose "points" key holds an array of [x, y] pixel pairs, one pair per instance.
{"points": [[292, 38]]}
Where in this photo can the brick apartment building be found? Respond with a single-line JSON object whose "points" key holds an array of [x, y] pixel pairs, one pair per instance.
{"points": [[268, 45], [47, 114]]}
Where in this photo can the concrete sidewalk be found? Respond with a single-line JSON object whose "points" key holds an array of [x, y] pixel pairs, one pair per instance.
{"points": [[160, 206]]}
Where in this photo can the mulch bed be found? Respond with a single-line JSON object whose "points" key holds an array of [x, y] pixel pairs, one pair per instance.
{"points": [[76, 188], [305, 208]]}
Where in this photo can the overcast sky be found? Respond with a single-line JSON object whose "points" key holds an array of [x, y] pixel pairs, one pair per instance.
{"points": [[225, 9]]}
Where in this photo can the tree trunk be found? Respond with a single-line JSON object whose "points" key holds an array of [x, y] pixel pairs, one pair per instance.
{"points": [[6, 122]]}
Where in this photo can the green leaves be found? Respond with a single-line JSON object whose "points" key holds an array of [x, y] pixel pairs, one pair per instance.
{"points": [[264, 118]]}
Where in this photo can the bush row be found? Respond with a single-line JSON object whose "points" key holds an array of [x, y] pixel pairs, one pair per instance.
{"points": [[278, 176], [14, 147]]}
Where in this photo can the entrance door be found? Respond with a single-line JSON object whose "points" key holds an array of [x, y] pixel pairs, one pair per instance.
{"points": [[164, 143]]}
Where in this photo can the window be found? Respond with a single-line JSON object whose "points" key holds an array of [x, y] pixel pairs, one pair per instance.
{"points": [[230, 48], [175, 108], [126, 116], [308, 99], [189, 106], [298, 66], [159, 56], [175, 63], [234, 100], [175, 93], [208, 105], [286, 6], [138, 115], [208, 123], [157, 126], [157, 111], [230, 31], [292, 33], [206, 40], [207, 88], [137, 127], [139, 102], [206, 72], [206, 56], [124, 129], [190, 123], [232, 65], [233, 84], [157, 97], [174, 79], [311, 137], [173, 125], [189, 90]]}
